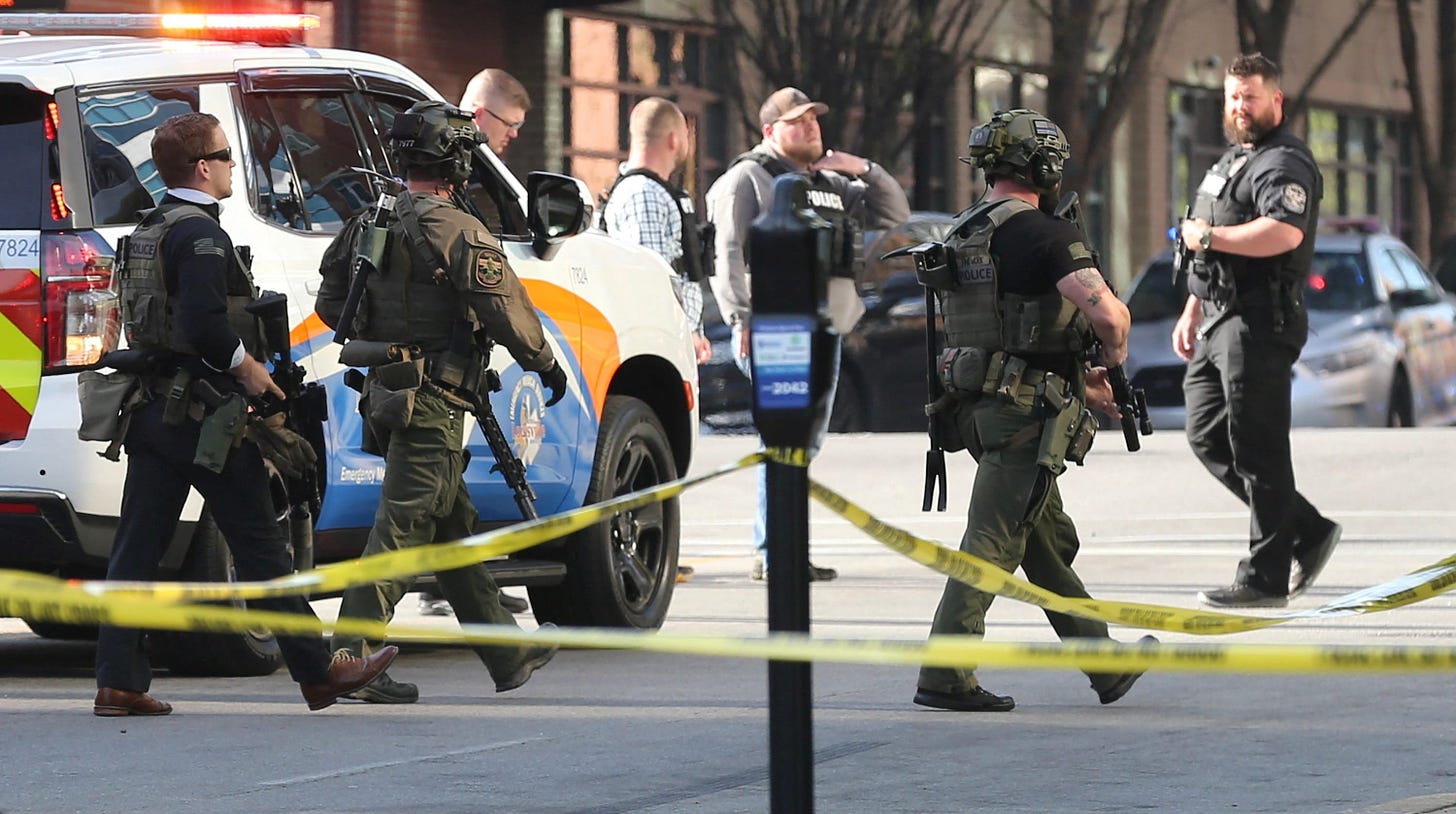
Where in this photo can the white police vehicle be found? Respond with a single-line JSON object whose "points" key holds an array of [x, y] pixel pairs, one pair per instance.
{"points": [[77, 114]]}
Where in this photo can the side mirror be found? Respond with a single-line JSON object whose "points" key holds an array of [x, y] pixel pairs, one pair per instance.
{"points": [[557, 207]]}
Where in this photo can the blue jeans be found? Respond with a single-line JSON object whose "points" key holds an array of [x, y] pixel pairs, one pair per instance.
{"points": [[760, 533]]}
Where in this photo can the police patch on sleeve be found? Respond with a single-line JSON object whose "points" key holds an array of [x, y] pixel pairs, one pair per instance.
{"points": [[1079, 251], [1295, 198], [490, 267]]}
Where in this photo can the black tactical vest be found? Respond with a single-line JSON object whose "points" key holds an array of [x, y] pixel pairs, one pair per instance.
{"points": [[149, 314], [406, 301], [695, 263], [1226, 197], [828, 204]]}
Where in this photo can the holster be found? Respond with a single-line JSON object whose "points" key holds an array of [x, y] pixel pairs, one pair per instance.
{"points": [[1066, 436], [222, 431]]}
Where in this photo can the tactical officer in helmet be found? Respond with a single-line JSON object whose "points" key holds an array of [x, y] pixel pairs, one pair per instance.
{"points": [[1243, 326], [848, 191], [183, 292], [443, 292], [1022, 301]]}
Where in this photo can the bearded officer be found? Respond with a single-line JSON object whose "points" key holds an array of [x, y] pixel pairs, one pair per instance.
{"points": [[1243, 327], [1022, 300], [444, 282]]}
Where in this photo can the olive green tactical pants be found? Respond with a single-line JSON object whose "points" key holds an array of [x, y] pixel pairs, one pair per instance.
{"points": [[423, 501], [1015, 519]]}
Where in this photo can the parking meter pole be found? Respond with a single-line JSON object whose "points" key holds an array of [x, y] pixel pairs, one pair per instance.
{"points": [[792, 355]]}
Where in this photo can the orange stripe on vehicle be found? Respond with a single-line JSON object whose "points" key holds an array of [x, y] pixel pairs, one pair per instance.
{"points": [[309, 328], [596, 347]]}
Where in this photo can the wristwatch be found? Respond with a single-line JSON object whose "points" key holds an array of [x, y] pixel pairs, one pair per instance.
{"points": [[1205, 240]]}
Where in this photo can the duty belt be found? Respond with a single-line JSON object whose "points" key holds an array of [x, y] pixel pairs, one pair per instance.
{"points": [[1008, 376]]}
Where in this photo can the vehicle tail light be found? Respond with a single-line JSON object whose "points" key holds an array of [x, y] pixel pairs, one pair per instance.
{"points": [[81, 311], [19, 508]]}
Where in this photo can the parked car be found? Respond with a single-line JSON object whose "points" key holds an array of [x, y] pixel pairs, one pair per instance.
{"points": [[76, 118], [882, 369], [1381, 349]]}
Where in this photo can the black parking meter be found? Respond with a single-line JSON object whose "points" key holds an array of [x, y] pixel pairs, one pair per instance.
{"points": [[793, 348], [794, 359]]}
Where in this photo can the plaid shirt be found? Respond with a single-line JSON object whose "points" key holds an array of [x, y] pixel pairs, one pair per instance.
{"points": [[641, 211]]}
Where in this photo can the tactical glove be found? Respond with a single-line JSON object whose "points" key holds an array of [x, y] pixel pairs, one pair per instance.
{"points": [[289, 452], [554, 378]]}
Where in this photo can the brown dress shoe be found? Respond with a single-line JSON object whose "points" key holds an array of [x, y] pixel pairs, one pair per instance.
{"points": [[113, 703], [347, 673]]}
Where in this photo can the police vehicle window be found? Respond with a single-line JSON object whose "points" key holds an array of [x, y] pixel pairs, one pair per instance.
{"points": [[1338, 281], [382, 110], [496, 205], [23, 143], [304, 146], [1387, 276], [1414, 277], [1156, 295], [117, 129]]}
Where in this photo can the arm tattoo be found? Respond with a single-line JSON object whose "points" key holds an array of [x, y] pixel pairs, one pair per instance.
{"points": [[1091, 279]]}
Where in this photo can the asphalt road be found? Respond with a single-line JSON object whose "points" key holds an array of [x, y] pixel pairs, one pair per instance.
{"points": [[626, 732]]}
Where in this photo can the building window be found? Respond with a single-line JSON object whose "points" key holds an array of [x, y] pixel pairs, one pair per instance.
{"points": [[611, 64], [1366, 161]]}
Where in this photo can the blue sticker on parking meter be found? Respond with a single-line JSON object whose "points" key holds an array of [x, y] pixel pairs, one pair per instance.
{"points": [[781, 354]]}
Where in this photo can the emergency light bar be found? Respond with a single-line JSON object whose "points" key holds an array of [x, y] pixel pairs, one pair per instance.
{"points": [[219, 26]]}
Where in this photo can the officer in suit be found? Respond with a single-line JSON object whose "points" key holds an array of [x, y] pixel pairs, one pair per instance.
{"points": [[183, 291], [445, 282], [1242, 328], [1022, 300]]}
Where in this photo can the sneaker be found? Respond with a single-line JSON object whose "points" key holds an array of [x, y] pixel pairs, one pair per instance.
{"points": [[385, 690], [513, 604], [976, 699], [534, 659], [1241, 596], [759, 572], [1125, 681], [435, 607], [1306, 567]]}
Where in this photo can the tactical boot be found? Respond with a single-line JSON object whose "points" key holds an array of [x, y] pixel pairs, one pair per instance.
{"points": [[385, 690]]}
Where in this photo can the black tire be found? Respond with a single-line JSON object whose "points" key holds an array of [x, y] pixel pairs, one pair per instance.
{"points": [[621, 572], [1400, 413], [61, 631], [251, 653]]}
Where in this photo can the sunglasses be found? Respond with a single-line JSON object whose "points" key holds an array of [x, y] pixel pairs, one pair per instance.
{"points": [[509, 124], [225, 154]]}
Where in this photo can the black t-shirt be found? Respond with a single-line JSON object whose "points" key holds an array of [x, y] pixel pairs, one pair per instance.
{"points": [[1034, 251]]}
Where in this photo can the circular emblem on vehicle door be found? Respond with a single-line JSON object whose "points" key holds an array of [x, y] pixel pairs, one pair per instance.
{"points": [[490, 268], [528, 408]]}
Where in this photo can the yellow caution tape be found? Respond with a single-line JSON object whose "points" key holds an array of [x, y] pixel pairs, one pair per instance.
{"points": [[46, 598], [153, 605], [1424, 583], [418, 560]]}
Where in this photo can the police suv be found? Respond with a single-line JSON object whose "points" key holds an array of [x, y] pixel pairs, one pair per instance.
{"points": [[77, 114]]}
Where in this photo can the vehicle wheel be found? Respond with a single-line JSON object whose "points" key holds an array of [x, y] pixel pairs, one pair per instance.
{"points": [[621, 572], [62, 631], [1399, 414], [251, 653], [849, 407]]}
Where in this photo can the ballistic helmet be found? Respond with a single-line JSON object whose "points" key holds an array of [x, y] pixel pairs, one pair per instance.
{"points": [[436, 137], [1021, 144]]}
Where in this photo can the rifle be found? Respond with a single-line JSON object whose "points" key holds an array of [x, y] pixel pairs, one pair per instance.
{"points": [[1182, 255], [927, 256], [512, 470], [372, 245], [304, 405], [1131, 403]]}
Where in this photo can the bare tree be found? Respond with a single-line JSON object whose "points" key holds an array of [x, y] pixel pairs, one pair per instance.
{"points": [[877, 59], [1262, 29], [1089, 107], [1437, 160]]}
